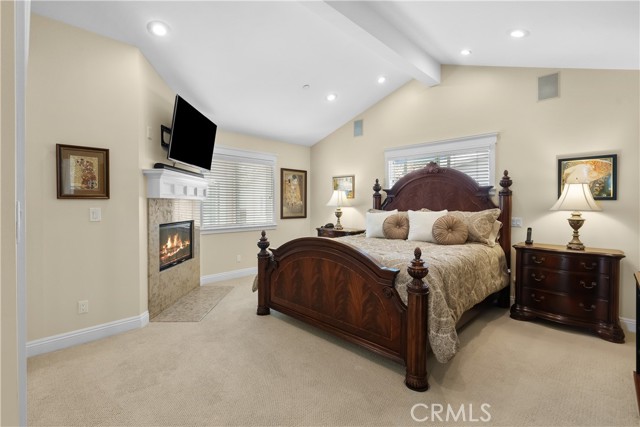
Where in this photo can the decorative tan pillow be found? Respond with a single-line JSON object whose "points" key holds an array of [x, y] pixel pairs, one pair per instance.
{"points": [[396, 226], [495, 232], [480, 224], [374, 221], [421, 225], [450, 230]]}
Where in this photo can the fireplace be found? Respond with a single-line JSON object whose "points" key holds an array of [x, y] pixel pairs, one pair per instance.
{"points": [[175, 243]]}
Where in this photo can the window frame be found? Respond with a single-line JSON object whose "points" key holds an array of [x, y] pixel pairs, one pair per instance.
{"points": [[431, 149], [259, 157]]}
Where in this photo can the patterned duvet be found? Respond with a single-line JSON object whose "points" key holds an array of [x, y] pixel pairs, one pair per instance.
{"points": [[460, 276]]}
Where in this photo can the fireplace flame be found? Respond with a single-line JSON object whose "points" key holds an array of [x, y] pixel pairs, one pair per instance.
{"points": [[174, 245]]}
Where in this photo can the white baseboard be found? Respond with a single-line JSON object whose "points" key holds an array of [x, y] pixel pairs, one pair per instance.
{"points": [[228, 275], [629, 324], [81, 336]]}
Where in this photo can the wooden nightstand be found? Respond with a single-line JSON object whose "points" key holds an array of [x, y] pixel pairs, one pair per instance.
{"points": [[332, 232], [578, 288]]}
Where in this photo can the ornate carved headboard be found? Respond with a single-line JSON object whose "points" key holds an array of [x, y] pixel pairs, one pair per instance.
{"points": [[437, 188]]}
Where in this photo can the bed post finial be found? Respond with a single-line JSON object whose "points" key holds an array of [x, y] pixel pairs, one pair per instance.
{"points": [[263, 265], [377, 198], [505, 183], [417, 325]]}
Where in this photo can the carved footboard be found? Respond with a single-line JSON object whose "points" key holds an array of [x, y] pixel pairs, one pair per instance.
{"points": [[344, 291]]}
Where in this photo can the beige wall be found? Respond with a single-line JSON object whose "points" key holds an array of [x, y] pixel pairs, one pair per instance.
{"points": [[84, 89], [9, 408], [597, 112], [219, 251]]}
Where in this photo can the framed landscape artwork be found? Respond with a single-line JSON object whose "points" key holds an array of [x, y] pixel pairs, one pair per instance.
{"points": [[599, 171], [82, 172], [293, 193], [346, 183]]}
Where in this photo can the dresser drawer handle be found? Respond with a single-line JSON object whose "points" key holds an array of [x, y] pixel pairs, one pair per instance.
{"points": [[590, 308], [536, 260], [584, 285], [537, 299], [586, 267], [536, 278]]}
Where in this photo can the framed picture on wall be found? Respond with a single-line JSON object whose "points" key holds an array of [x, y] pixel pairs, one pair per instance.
{"points": [[346, 183], [600, 171], [82, 172], [293, 193]]}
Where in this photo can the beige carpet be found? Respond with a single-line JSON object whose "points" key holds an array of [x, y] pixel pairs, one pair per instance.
{"points": [[237, 369], [193, 306]]}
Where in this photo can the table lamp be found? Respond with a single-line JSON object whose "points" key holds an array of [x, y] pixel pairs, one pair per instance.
{"points": [[338, 200], [576, 196]]}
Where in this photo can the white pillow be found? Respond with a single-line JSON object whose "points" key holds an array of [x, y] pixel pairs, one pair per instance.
{"points": [[421, 224], [375, 220]]}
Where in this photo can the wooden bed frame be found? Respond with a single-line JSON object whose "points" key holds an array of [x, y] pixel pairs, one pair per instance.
{"points": [[344, 291]]}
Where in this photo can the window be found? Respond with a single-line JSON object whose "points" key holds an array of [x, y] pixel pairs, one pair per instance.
{"points": [[240, 194], [473, 155]]}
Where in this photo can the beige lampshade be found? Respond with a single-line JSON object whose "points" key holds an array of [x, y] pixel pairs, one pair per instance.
{"points": [[338, 199], [576, 197]]}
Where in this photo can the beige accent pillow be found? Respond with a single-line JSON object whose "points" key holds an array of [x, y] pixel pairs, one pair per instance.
{"points": [[374, 221], [480, 224], [396, 226], [450, 230]]}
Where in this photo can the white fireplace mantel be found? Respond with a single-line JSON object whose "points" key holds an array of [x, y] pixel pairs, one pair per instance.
{"points": [[168, 184]]}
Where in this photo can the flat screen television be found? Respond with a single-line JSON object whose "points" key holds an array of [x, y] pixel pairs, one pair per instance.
{"points": [[193, 136]]}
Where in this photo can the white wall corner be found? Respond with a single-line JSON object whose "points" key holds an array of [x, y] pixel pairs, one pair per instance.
{"points": [[81, 336]]}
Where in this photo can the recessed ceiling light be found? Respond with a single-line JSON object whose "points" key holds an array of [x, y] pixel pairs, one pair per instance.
{"points": [[306, 86], [518, 34], [158, 28], [382, 79], [465, 52], [332, 97]]}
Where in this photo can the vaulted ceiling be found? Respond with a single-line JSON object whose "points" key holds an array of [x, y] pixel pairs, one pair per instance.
{"points": [[265, 68]]}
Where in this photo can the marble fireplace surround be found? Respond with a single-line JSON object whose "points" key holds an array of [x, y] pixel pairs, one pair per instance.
{"points": [[172, 197]]}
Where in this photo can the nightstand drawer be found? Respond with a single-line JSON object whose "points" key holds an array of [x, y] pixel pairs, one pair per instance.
{"points": [[553, 261], [575, 284], [582, 308], [579, 288]]}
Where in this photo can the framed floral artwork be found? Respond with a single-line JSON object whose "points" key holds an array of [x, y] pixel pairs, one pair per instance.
{"points": [[82, 172]]}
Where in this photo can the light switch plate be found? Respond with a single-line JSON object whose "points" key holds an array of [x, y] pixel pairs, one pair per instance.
{"points": [[95, 214]]}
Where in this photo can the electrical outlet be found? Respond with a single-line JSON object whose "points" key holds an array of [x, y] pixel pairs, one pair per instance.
{"points": [[83, 306], [238, 258], [516, 221]]}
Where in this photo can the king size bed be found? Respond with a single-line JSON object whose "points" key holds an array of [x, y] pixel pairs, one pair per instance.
{"points": [[379, 292]]}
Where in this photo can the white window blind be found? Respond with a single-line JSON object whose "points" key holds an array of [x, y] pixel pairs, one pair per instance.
{"points": [[473, 155], [240, 193]]}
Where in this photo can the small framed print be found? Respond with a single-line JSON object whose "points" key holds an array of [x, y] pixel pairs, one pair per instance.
{"points": [[600, 171], [346, 183], [82, 172], [293, 193]]}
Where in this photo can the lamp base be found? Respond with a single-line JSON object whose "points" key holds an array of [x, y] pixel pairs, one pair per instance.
{"points": [[338, 226], [576, 221]]}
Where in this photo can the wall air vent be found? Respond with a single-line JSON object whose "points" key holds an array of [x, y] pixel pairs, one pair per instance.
{"points": [[548, 87]]}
